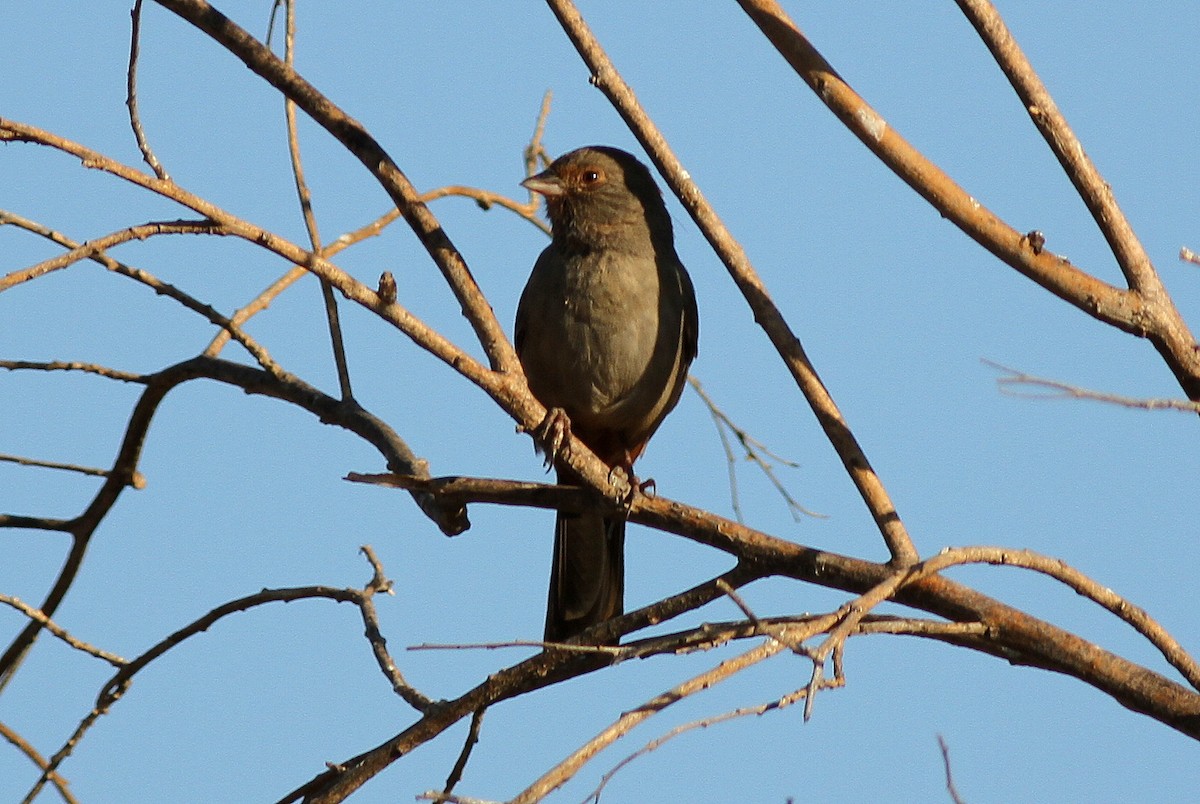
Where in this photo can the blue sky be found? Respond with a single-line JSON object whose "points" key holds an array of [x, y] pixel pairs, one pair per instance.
{"points": [[894, 305]]}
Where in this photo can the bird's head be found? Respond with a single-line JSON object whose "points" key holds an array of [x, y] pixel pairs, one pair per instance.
{"points": [[598, 192]]}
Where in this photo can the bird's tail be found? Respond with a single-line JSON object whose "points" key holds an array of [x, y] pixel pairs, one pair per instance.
{"points": [[587, 576]]}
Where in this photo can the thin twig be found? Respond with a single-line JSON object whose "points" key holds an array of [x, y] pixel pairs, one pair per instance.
{"points": [[135, 119], [535, 153], [366, 605], [607, 650], [461, 763], [755, 451], [72, 365], [34, 756], [1054, 389], [655, 744], [138, 482], [56, 630], [443, 798], [306, 209], [950, 787], [485, 199], [95, 247]]}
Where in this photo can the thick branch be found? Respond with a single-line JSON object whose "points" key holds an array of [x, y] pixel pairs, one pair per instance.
{"points": [[1011, 634], [1146, 311], [1165, 326], [1110, 304]]}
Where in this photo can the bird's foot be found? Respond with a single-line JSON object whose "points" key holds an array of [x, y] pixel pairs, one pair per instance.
{"points": [[623, 483], [552, 438]]}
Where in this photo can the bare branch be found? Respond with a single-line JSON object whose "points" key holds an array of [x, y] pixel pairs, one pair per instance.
{"points": [[59, 632], [768, 316], [96, 247], [1054, 389], [461, 763], [563, 771], [754, 451], [655, 744], [306, 209], [950, 787], [138, 481], [71, 365], [22, 745], [135, 119]]}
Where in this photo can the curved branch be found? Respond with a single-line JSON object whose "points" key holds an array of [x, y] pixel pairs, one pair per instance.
{"points": [[95, 250], [348, 414]]}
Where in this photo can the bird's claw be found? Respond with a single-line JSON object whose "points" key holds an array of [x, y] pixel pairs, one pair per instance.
{"points": [[624, 484], [552, 438]]}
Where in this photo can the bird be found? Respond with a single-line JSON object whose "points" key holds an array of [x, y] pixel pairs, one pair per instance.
{"points": [[606, 329]]}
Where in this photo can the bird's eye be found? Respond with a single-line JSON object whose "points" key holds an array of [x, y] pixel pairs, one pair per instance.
{"points": [[591, 177]]}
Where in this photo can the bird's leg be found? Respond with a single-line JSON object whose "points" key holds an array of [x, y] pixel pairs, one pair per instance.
{"points": [[552, 438]]}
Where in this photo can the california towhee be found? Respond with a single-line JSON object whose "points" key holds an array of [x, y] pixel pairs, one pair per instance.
{"points": [[606, 329]]}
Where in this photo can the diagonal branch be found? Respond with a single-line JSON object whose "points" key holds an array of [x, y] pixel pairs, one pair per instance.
{"points": [[306, 209], [1106, 302], [561, 773], [1145, 311], [135, 119], [1163, 324], [769, 317], [359, 142], [1043, 111]]}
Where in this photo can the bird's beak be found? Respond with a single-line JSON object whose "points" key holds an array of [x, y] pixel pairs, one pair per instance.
{"points": [[545, 183]]}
